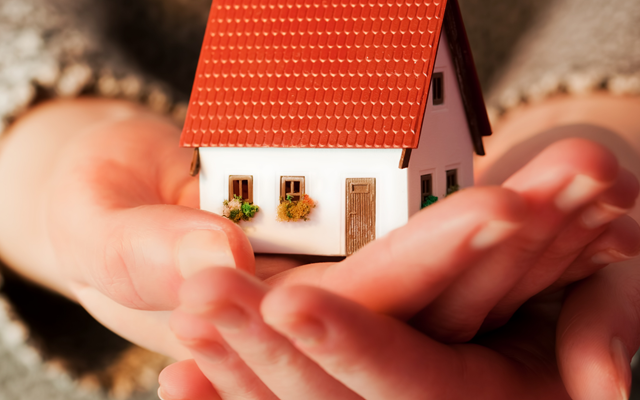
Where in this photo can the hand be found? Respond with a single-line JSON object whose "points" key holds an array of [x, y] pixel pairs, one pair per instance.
{"points": [[565, 233], [572, 191], [375, 357], [99, 206], [88, 195], [105, 214]]}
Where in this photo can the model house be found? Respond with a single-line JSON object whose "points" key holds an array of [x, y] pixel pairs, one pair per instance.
{"points": [[337, 119]]}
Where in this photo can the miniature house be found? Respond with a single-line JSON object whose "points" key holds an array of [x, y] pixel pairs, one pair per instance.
{"points": [[372, 108]]}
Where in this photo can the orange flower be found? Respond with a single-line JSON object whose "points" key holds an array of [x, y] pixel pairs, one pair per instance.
{"points": [[291, 211]]}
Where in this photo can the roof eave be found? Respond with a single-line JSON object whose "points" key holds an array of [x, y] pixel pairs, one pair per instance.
{"points": [[467, 76]]}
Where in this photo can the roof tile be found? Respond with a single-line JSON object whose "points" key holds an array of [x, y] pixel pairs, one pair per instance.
{"points": [[311, 73]]}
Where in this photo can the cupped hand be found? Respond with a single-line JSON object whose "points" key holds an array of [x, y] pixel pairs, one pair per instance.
{"points": [[107, 216], [305, 342], [103, 210], [565, 239], [566, 221]]}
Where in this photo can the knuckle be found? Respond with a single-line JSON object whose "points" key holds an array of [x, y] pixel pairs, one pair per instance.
{"points": [[276, 354]]}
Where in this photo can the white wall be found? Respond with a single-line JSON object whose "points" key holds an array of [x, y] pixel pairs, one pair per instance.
{"points": [[325, 171], [445, 141]]}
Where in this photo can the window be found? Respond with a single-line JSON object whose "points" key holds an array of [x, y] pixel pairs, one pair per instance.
{"points": [[426, 188], [242, 186], [452, 181], [437, 88], [292, 186]]}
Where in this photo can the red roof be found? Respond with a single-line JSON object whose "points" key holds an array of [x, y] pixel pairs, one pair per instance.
{"points": [[314, 73]]}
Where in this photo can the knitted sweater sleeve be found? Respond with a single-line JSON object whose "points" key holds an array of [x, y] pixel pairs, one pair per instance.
{"points": [[525, 50], [64, 48], [530, 49]]}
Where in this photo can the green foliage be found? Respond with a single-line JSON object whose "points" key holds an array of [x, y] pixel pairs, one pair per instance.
{"points": [[239, 210], [249, 210], [430, 200]]}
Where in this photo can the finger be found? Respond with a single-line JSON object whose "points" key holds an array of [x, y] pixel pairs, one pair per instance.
{"points": [[598, 331], [381, 358], [219, 363], [401, 272], [268, 265], [556, 184], [620, 242], [115, 221], [230, 300], [586, 226], [616, 201], [184, 381]]}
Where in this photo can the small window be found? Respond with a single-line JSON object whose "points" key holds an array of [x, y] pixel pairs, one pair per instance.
{"points": [[292, 187], [437, 88], [426, 188], [241, 186], [452, 181]]}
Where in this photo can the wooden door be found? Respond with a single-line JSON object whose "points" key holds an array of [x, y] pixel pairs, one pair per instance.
{"points": [[360, 213]]}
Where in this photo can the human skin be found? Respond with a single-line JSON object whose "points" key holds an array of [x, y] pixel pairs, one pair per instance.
{"points": [[521, 134], [596, 327], [379, 358], [104, 217], [617, 114], [106, 214], [85, 189]]}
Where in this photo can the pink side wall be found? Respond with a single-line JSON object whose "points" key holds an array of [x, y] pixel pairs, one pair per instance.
{"points": [[445, 141]]}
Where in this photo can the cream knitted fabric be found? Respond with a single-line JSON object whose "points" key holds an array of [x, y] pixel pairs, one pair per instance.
{"points": [[573, 46], [525, 49], [58, 48]]}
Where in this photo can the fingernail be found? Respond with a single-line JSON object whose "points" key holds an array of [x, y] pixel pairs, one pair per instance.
{"points": [[600, 214], [581, 189], [203, 249], [621, 362], [307, 331], [162, 395], [609, 257], [492, 233], [229, 317]]}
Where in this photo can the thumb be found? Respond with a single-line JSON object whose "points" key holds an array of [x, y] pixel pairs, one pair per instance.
{"points": [[135, 259], [113, 219], [140, 256], [598, 332]]}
